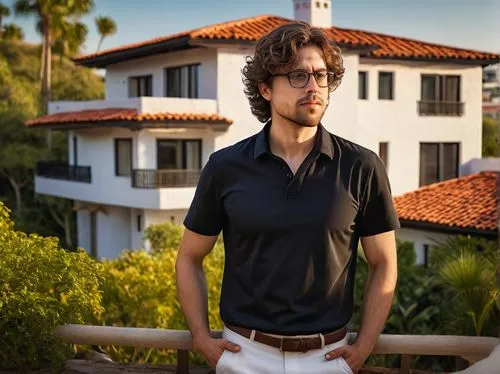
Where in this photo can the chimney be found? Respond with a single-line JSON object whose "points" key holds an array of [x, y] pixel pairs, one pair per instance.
{"points": [[315, 12]]}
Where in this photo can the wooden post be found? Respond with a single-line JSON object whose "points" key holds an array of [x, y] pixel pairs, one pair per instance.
{"points": [[182, 361], [405, 364]]}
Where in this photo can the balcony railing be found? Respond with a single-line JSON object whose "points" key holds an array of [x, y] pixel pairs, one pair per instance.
{"points": [[160, 178], [440, 108], [64, 171], [472, 348]]}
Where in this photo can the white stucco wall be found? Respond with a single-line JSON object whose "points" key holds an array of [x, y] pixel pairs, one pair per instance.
{"points": [[155, 217], [117, 75], [420, 238], [113, 232], [136, 233], [83, 229], [398, 122]]}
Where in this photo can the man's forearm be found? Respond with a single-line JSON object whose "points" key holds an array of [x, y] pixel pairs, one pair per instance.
{"points": [[193, 296], [378, 297]]}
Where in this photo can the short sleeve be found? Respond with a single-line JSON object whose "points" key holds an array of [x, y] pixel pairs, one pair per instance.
{"points": [[206, 214], [377, 213]]}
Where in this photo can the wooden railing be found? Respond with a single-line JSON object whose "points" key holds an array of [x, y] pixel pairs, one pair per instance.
{"points": [[471, 348], [61, 170], [159, 178], [440, 108]]}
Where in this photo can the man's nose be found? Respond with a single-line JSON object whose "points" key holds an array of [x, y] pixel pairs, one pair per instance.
{"points": [[312, 85]]}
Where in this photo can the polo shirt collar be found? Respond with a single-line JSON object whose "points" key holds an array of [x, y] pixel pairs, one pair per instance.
{"points": [[323, 142]]}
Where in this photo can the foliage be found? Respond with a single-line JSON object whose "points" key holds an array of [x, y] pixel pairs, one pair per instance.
{"points": [[22, 147], [106, 26], [138, 278], [42, 287], [491, 137], [467, 268]]}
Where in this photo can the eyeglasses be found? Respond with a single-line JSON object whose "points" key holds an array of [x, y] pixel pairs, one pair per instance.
{"points": [[300, 78]]}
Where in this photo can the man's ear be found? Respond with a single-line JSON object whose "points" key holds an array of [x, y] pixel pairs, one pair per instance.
{"points": [[265, 91]]}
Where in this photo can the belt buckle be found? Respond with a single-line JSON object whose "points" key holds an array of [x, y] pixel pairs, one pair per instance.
{"points": [[303, 345]]}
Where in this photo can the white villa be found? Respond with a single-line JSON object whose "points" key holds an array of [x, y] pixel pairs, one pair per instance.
{"points": [[135, 157]]}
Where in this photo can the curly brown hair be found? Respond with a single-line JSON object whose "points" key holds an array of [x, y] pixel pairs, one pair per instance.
{"points": [[277, 51]]}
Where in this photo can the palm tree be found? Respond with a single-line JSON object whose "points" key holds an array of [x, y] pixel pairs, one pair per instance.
{"points": [[12, 32], [4, 12], [48, 14], [468, 267], [69, 38], [106, 27]]}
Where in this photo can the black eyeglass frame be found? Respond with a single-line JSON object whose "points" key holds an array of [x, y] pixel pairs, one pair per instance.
{"points": [[329, 81]]}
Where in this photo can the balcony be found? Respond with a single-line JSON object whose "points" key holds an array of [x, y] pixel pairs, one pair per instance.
{"points": [[63, 171], [164, 178], [440, 108]]}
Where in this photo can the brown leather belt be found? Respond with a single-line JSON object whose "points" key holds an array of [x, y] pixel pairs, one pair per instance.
{"points": [[286, 344]]}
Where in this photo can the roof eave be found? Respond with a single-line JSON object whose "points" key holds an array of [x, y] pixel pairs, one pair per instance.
{"points": [[461, 61], [445, 229], [136, 125], [106, 59]]}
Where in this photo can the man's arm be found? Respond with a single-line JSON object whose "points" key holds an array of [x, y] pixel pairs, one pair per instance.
{"points": [[193, 295], [380, 252]]}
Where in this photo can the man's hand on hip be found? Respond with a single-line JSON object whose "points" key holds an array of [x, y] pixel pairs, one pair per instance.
{"points": [[354, 355], [212, 349]]}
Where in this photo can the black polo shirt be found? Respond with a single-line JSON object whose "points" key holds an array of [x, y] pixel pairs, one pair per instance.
{"points": [[291, 240]]}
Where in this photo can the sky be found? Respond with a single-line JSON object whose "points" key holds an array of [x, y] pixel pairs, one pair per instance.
{"points": [[472, 24]]}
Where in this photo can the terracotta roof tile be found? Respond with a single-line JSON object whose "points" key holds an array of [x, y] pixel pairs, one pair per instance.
{"points": [[467, 202], [251, 29], [122, 114]]}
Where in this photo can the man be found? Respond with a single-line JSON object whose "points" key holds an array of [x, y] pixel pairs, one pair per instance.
{"points": [[292, 202]]}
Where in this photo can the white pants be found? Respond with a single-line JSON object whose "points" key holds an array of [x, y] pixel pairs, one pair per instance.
{"points": [[258, 358]]}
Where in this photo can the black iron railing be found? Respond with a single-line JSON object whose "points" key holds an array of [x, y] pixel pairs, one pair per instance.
{"points": [[440, 108], [64, 171], [160, 178]]}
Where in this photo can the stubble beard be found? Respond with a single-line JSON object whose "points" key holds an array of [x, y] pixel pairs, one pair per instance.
{"points": [[303, 117]]}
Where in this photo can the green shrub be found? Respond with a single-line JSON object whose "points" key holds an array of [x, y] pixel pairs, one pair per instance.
{"points": [[41, 287], [140, 291]]}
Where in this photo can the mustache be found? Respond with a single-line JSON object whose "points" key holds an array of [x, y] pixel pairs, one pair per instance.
{"points": [[312, 97]]}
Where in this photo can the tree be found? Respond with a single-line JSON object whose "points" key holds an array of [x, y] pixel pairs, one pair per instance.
{"points": [[4, 12], [50, 13], [69, 38], [491, 137], [106, 27], [13, 33], [19, 147], [468, 267]]}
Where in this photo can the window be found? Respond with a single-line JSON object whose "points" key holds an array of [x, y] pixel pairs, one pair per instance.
{"points": [[385, 86], [383, 152], [179, 154], [363, 85], [326, 5], [139, 223], [440, 95], [140, 86], [426, 255], [318, 4], [438, 162], [182, 81], [75, 150], [123, 157], [93, 233]]}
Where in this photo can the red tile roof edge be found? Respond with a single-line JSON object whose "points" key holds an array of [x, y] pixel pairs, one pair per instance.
{"points": [[426, 203], [382, 52], [122, 114]]}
